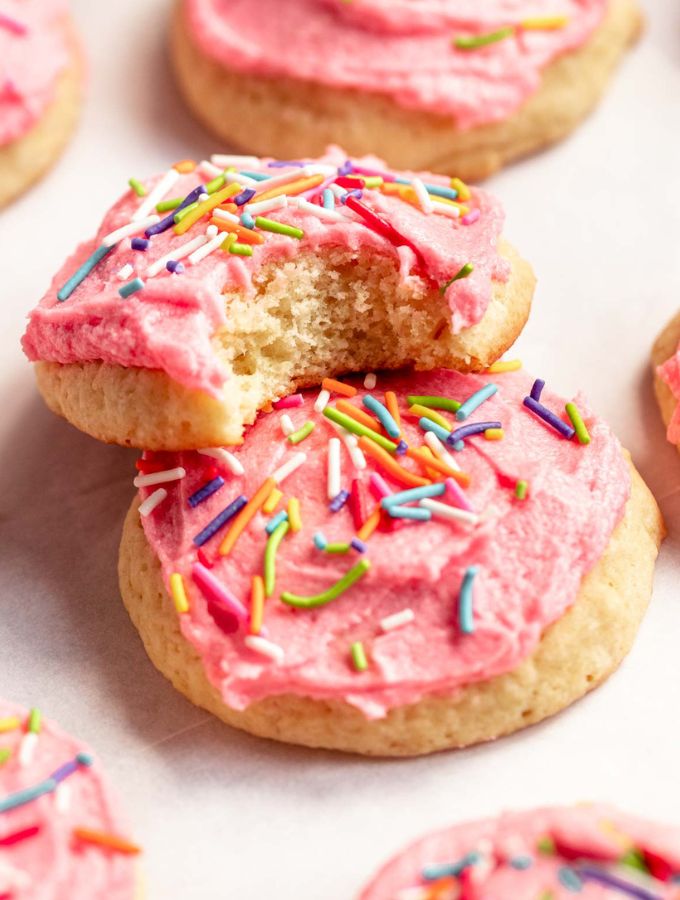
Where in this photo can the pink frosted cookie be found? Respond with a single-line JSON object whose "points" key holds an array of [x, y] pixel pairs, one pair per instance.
{"points": [[262, 276], [457, 86], [393, 572], [61, 833], [40, 89], [666, 362], [590, 852]]}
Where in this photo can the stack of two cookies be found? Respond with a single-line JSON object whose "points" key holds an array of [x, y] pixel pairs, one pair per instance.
{"points": [[433, 552]]}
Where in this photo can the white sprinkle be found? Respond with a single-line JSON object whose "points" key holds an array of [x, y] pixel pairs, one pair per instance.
{"points": [[396, 620], [177, 253], [124, 273], [289, 177], [149, 202], [243, 180], [321, 401], [289, 467], [287, 426], [256, 209], [127, 230], [319, 169], [423, 197], [224, 160], [264, 647], [444, 511], [230, 461], [206, 249], [334, 468], [351, 445], [207, 168], [337, 190], [370, 381], [226, 215], [160, 477], [62, 797], [152, 502], [27, 748], [438, 448], [446, 209], [212, 231], [328, 215]]}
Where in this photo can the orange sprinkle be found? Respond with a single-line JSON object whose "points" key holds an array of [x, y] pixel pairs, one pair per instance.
{"points": [[184, 166], [390, 465], [256, 604], [245, 235], [369, 525], [393, 407], [246, 514], [337, 387], [358, 414], [416, 453], [292, 188], [206, 207], [110, 841], [429, 471]]}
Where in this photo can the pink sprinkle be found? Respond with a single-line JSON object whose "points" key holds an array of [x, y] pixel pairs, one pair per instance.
{"points": [[457, 494], [372, 173], [317, 191], [12, 24], [471, 217], [378, 486], [215, 591], [289, 402]]}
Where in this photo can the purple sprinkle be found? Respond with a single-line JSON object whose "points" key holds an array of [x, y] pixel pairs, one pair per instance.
{"points": [[138, 243], [355, 192], [549, 417], [285, 163], [467, 430], [591, 873], [63, 772], [172, 265], [339, 501], [402, 447], [220, 520], [358, 545], [346, 168], [244, 196], [169, 221], [206, 491], [537, 389]]}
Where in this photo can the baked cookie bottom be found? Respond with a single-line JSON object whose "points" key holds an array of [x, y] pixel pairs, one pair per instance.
{"points": [[315, 316], [26, 160], [574, 655], [288, 118], [664, 347]]}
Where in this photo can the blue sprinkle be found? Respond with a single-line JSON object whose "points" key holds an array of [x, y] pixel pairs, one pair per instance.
{"points": [[247, 220], [474, 401], [521, 862], [402, 447], [465, 598], [443, 870], [339, 501], [569, 879], [85, 759], [383, 414], [206, 491], [358, 545], [245, 195], [275, 521], [138, 243], [81, 273], [328, 199], [131, 288], [172, 265], [417, 513], [428, 425], [256, 176], [320, 541], [219, 521]]}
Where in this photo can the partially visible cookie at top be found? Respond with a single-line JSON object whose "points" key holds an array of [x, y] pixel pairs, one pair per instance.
{"points": [[210, 291], [666, 362], [591, 851], [41, 75], [447, 86]]}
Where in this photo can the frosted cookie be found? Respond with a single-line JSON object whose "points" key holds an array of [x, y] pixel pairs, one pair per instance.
{"points": [[61, 832], [41, 74], [666, 361], [594, 852], [462, 570], [263, 276], [448, 85]]}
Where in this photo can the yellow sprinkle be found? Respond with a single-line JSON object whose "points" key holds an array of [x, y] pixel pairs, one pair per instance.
{"points": [[505, 365], [431, 473], [9, 724], [205, 207], [547, 23], [179, 594], [294, 514], [462, 188], [228, 241], [431, 414], [494, 434], [272, 501], [256, 604]]}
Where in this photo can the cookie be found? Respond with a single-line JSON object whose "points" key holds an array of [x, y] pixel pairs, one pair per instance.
{"points": [[666, 362], [171, 335], [61, 832], [40, 90], [510, 583], [457, 87], [593, 851]]}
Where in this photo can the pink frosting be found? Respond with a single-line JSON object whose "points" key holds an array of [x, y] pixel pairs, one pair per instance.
{"points": [[401, 49], [532, 554], [669, 372], [51, 864], [510, 863], [170, 325], [33, 52]]}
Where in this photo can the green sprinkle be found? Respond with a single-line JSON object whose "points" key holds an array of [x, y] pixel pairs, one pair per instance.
{"points": [[241, 249], [357, 428], [273, 542], [462, 273], [337, 548], [434, 402], [278, 227], [34, 720], [215, 184], [137, 187], [546, 845], [5, 754], [184, 212], [359, 656], [301, 433], [333, 592], [635, 859], [167, 205], [521, 489], [578, 423], [472, 42]]}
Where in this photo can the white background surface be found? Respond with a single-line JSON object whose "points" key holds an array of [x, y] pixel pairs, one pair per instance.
{"points": [[223, 815]]}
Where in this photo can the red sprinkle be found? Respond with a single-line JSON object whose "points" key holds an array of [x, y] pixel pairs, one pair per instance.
{"points": [[17, 836], [381, 226], [204, 559], [358, 503]]}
